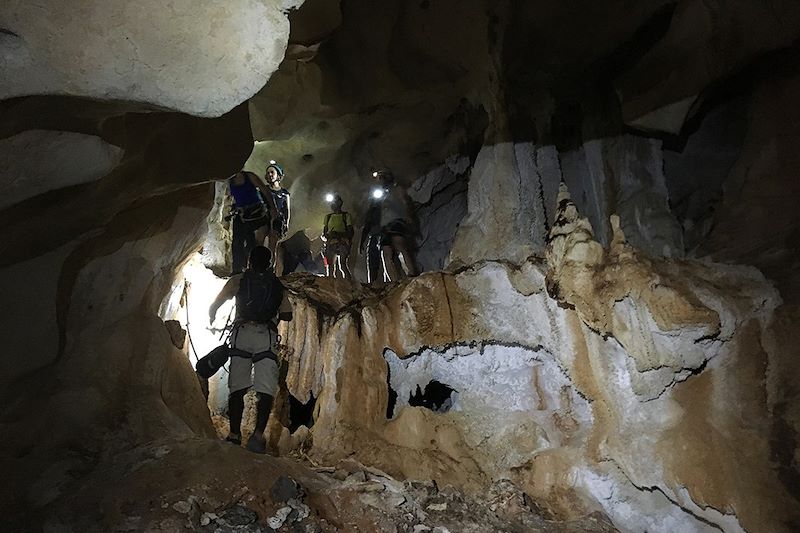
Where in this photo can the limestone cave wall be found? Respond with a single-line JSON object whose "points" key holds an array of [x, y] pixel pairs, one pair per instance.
{"points": [[606, 200], [594, 379]]}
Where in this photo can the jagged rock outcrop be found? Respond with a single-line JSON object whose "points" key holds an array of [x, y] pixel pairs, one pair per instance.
{"points": [[659, 391], [594, 381]]}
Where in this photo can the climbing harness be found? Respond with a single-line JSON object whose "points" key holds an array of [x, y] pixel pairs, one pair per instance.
{"points": [[255, 356]]}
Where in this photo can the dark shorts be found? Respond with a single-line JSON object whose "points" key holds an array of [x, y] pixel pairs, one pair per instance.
{"points": [[397, 227], [279, 227]]}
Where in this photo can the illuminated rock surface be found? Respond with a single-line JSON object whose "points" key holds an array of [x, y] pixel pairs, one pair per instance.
{"points": [[588, 397], [202, 58], [602, 337]]}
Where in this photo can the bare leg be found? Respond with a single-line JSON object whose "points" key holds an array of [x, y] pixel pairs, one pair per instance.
{"points": [[330, 265], [400, 244], [389, 263], [273, 242], [343, 259], [278, 260]]}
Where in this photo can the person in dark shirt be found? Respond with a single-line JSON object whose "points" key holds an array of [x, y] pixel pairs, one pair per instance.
{"points": [[250, 217], [370, 242], [253, 344], [296, 251], [281, 202]]}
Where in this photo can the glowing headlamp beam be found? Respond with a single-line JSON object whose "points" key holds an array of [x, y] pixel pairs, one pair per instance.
{"points": [[378, 193], [329, 197]]}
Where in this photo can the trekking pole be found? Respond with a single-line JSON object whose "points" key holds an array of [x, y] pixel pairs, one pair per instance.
{"points": [[188, 333]]}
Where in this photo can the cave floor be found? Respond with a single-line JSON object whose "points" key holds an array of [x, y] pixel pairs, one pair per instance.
{"points": [[208, 485]]}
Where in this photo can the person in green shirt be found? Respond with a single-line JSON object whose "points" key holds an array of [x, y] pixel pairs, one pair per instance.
{"points": [[337, 232]]}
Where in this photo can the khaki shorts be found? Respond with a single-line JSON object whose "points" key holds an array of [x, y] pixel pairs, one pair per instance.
{"points": [[337, 247], [263, 375]]}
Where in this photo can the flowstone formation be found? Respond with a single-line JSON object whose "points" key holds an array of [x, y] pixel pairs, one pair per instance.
{"points": [[572, 355], [597, 379]]}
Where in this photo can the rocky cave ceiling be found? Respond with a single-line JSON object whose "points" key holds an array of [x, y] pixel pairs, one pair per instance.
{"points": [[682, 117]]}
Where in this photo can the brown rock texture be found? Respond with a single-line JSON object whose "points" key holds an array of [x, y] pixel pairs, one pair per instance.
{"points": [[607, 392], [559, 360]]}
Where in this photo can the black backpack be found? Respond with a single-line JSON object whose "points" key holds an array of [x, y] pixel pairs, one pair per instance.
{"points": [[259, 296]]}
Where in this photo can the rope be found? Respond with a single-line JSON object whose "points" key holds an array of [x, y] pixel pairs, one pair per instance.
{"points": [[188, 333], [227, 323]]}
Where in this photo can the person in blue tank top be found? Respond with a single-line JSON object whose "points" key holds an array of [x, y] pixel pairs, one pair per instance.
{"points": [[251, 216]]}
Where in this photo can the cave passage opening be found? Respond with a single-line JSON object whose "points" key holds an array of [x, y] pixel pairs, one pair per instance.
{"points": [[436, 396], [194, 289]]}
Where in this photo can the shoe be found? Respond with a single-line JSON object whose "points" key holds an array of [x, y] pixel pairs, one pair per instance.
{"points": [[256, 444], [233, 438]]}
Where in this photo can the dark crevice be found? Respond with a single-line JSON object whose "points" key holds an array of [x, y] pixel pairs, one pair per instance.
{"points": [[626, 56], [392, 397], [437, 397], [5, 31], [301, 414]]}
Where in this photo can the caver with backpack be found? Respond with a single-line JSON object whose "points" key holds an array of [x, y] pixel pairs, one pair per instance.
{"points": [[252, 344], [251, 216]]}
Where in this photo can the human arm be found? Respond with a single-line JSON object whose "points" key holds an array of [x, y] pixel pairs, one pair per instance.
{"points": [[228, 291], [288, 211]]}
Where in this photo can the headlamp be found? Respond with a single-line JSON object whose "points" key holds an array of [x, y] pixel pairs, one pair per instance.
{"points": [[329, 197], [378, 193], [272, 162], [375, 174]]}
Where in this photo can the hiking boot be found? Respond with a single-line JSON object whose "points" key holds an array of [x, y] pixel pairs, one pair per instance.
{"points": [[257, 444], [233, 438]]}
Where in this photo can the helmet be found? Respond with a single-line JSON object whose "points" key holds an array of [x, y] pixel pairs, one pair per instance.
{"points": [[384, 174], [276, 166]]}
